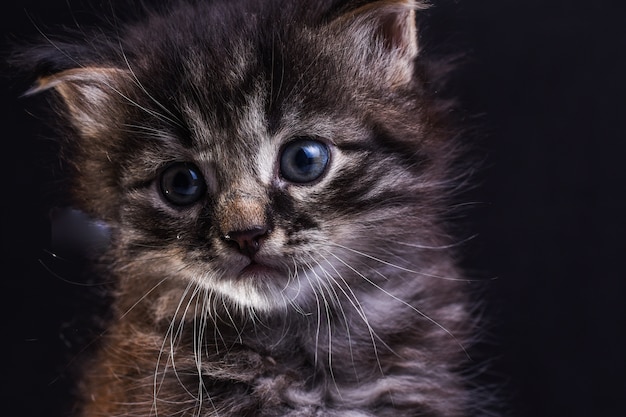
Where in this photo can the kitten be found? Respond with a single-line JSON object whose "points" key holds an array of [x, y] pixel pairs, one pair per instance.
{"points": [[274, 177]]}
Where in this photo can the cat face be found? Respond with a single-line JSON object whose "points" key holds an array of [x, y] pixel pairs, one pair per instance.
{"points": [[264, 166]]}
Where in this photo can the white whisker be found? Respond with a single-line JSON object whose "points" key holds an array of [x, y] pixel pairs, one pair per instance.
{"points": [[172, 336], [318, 316], [438, 247], [341, 309], [144, 296], [323, 290], [401, 268], [358, 307], [172, 119], [424, 315]]}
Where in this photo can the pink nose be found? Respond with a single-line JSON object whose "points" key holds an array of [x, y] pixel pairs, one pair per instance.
{"points": [[248, 241]]}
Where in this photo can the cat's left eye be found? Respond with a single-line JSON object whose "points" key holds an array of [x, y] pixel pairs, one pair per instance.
{"points": [[182, 184], [304, 160]]}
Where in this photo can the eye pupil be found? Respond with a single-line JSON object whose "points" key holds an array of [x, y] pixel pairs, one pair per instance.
{"points": [[304, 160], [182, 184]]}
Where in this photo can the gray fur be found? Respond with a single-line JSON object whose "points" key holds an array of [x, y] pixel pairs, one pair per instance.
{"points": [[358, 308]]}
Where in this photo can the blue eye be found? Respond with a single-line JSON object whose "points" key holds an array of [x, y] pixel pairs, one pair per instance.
{"points": [[304, 160], [182, 184]]}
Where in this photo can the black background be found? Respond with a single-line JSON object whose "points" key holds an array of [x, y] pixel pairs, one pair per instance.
{"points": [[546, 83]]}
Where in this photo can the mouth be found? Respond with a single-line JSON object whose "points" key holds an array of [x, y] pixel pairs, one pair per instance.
{"points": [[255, 269]]}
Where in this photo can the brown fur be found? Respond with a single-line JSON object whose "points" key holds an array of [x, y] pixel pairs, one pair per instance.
{"points": [[350, 303]]}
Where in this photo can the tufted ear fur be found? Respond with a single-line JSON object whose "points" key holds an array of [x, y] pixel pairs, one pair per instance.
{"points": [[90, 95], [383, 32], [92, 101]]}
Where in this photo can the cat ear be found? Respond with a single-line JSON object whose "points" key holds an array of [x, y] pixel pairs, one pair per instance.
{"points": [[88, 99], [384, 32], [89, 93]]}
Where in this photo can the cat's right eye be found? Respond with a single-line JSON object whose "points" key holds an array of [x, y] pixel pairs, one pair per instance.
{"points": [[182, 184]]}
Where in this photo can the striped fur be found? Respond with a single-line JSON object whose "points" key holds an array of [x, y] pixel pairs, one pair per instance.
{"points": [[355, 306]]}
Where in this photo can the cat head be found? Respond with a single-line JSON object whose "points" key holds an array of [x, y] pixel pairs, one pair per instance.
{"points": [[262, 151]]}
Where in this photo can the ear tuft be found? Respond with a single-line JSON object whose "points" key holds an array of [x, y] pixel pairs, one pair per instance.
{"points": [[89, 93], [384, 32], [397, 30]]}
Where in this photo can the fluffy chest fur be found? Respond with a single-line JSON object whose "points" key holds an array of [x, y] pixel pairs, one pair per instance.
{"points": [[274, 177]]}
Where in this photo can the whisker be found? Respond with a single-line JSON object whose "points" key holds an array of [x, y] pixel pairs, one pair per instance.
{"points": [[144, 296], [217, 334], [51, 42], [79, 284], [199, 334], [175, 338], [145, 131], [343, 314], [282, 68], [422, 314], [341, 309], [170, 333], [197, 353], [438, 247], [322, 287], [401, 268], [302, 75], [319, 317], [172, 119], [358, 307], [293, 300], [231, 319]]}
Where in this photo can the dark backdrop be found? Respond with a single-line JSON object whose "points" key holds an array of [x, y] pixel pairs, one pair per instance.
{"points": [[545, 81]]}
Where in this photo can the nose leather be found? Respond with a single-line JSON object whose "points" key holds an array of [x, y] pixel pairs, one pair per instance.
{"points": [[248, 241]]}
